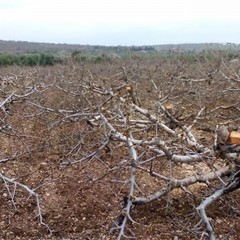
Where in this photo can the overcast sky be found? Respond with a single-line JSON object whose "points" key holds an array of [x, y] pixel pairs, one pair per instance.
{"points": [[120, 22]]}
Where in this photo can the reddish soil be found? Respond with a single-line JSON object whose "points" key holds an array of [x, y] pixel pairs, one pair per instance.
{"points": [[82, 200]]}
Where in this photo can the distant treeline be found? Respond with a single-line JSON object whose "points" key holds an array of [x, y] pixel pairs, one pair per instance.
{"points": [[76, 56], [136, 53], [29, 59], [50, 59]]}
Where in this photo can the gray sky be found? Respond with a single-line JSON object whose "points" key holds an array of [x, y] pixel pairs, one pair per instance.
{"points": [[120, 22]]}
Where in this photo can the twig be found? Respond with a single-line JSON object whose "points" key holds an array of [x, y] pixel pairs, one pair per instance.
{"points": [[6, 100], [32, 193]]}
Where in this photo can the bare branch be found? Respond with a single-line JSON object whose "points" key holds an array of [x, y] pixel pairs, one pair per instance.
{"points": [[32, 193]]}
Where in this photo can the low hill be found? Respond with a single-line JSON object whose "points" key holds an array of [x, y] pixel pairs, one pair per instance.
{"points": [[29, 47]]}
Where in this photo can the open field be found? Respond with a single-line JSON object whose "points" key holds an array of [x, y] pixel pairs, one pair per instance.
{"points": [[129, 141]]}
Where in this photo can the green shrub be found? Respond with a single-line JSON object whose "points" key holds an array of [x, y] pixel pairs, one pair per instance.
{"points": [[30, 59]]}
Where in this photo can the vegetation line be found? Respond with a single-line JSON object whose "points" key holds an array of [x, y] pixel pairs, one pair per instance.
{"points": [[97, 55]]}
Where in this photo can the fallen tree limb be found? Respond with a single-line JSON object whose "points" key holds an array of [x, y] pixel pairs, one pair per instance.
{"points": [[31, 192], [173, 183], [233, 184]]}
